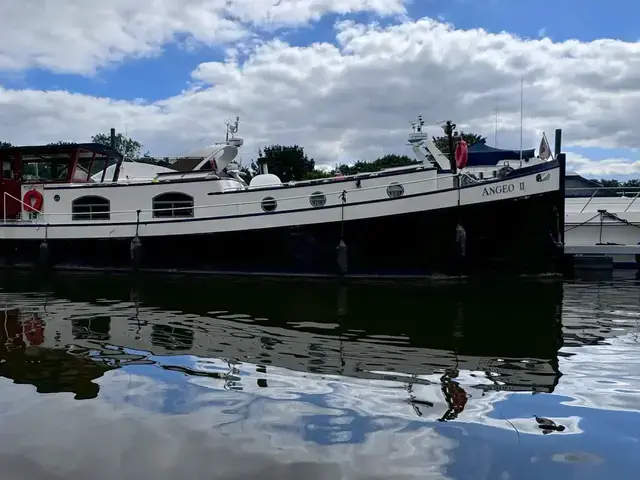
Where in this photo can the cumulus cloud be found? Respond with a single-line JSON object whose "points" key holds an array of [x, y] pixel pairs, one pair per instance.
{"points": [[602, 168], [78, 36], [348, 99]]}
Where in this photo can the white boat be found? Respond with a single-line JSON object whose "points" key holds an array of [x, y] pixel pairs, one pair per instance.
{"points": [[603, 220], [83, 206]]}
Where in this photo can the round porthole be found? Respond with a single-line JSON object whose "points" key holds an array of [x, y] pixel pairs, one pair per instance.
{"points": [[395, 190], [56, 198], [269, 204], [317, 199]]}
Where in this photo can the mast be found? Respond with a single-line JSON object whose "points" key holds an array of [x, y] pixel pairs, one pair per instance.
{"points": [[521, 102], [448, 130], [495, 138]]}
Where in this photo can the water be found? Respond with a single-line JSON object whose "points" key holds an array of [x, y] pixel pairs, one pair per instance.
{"points": [[116, 378]]}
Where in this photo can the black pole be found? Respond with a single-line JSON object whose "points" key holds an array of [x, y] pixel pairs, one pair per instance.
{"points": [[558, 146], [116, 172], [562, 161], [448, 130]]}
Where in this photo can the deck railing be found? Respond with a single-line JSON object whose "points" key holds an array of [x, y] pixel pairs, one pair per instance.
{"points": [[8, 195], [620, 193], [134, 212]]}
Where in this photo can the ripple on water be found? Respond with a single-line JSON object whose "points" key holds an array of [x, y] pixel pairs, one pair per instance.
{"points": [[384, 382]]}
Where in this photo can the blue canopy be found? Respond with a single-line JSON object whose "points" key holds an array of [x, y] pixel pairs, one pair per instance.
{"points": [[481, 154]]}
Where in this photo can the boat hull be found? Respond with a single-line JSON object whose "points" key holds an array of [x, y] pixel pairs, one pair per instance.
{"points": [[513, 235]]}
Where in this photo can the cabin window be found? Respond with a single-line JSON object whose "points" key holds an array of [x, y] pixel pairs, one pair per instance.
{"points": [[89, 164], [46, 167], [7, 170], [395, 190], [269, 204], [317, 199], [172, 205], [91, 208]]}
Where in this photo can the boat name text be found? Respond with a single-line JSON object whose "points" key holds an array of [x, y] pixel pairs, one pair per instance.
{"points": [[501, 189]]}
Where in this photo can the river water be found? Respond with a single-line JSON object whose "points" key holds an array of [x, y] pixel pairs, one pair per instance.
{"points": [[165, 378]]}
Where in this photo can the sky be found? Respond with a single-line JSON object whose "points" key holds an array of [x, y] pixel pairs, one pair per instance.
{"points": [[342, 78]]}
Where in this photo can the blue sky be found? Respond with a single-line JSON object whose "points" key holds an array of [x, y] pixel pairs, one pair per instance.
{"points": [[168, 74]]}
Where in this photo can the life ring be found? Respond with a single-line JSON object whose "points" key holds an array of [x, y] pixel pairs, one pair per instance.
{"points": [[34, 330], [462, 154], [36, 205]]}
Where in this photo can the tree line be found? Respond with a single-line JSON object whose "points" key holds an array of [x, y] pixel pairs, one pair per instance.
{"points": [[291, 163]]}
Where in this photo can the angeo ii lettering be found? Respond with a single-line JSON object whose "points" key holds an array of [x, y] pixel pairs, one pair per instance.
{"points": [[501, 189]]}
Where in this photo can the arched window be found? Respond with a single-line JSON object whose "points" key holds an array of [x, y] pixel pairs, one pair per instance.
{"points": [[91, 207], [172, 205]]}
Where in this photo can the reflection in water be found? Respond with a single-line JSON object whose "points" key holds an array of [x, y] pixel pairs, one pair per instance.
{"points": [[95, 328], [171, 338], [356, 373], [367, 331], [25, 361]]}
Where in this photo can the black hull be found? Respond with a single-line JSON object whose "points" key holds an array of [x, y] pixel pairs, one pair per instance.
{"points": [[513, 236]]}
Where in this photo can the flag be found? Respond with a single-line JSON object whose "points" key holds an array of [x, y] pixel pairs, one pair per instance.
{"points": [[544, 151], [214, 164]]}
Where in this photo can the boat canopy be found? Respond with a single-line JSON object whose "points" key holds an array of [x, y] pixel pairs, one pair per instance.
{"points": [[481, 154]]}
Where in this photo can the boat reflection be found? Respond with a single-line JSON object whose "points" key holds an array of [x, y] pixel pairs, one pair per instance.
{"points": [[506, 334], [25, 360]]}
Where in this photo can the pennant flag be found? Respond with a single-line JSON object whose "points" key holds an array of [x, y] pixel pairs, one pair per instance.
{"points": [[544, 151]]}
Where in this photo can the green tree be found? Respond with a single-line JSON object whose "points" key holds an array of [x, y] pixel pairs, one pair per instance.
{"points": [[609, 183], [387, 161], [128, 147], [5, 145], [60, 142], [471, 138], [289, 163]]}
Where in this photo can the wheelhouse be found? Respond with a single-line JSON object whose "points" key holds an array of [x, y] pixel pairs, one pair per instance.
{"points": [[50, 164]]}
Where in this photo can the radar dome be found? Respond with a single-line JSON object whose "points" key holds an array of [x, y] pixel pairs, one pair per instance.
{"points": [[265, 180]]}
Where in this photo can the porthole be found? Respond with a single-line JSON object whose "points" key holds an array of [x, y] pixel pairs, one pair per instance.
{"points": [[269, 204], [395, 190], [317, 199]]}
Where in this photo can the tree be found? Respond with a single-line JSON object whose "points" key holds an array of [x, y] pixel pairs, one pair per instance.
{"points": [[5, 145], [128, 147], [289, 163], [387, 161], [471, 138], [622, 187], [60, 142]]}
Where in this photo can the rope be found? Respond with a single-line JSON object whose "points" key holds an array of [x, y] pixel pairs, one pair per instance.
{"points": [[609, 215], [581, 224], [613, 216]]}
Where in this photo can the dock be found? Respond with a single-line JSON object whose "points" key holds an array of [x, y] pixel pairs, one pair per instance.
{"points": [[603, 256]]}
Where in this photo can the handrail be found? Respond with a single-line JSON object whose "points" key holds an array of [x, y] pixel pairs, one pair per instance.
{"points": [[632, 201], [258, 202], [597, 189], [6, 194], [600, 187]]}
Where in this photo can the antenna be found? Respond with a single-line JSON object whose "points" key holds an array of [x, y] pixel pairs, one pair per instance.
{"points": [[495, 139], [521, 102]]}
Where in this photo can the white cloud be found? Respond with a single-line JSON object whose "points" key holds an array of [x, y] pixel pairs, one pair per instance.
{"points": [[602, 168], [351, 99], [78, 36]]}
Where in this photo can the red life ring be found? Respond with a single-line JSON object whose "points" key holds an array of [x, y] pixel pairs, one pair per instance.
{"points": [[34, 330], [462, 154], [36, 205]]}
